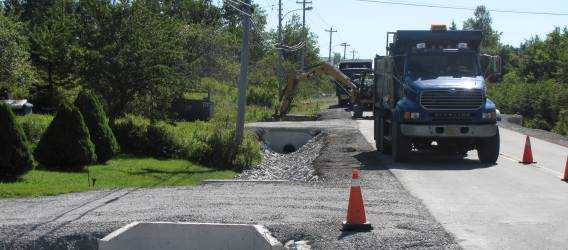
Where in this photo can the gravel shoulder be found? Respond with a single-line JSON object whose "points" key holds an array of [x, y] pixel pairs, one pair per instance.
{"points": [[294, 210]]}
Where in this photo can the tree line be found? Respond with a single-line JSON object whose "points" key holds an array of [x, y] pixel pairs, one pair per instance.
{"points": [[534, 75], [138, 55]]}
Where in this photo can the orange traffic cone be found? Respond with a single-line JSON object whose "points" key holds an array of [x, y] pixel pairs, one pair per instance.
{"points": [[356, 220], [565, 178], [527, 155]]}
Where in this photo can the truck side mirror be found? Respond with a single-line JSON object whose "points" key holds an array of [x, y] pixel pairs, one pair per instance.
{"points": [[491, 66]]}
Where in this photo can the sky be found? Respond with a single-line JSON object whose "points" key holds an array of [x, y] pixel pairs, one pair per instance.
{"points": [[364, 25]]}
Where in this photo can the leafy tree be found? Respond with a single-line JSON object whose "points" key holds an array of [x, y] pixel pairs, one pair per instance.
{"points": [[336, 58], [546, 59], [482, 21], [141, 66], [97, 122], [293, 35], [15, 155], [54, 41], [28, 10], [16, 73], [66, 143]]}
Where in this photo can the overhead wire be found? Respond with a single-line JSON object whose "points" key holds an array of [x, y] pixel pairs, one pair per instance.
{"points": [[234, 4], [463, 8]]}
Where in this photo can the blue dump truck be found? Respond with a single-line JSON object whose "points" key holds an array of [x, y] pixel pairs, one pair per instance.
{"points": [[430, 95], [354, 69]]}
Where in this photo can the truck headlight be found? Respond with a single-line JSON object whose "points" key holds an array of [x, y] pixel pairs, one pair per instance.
{"points": [[411, 115], [489, 115]]}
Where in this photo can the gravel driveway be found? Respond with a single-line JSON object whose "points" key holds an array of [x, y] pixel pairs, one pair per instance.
{"points": [[292, 211]]}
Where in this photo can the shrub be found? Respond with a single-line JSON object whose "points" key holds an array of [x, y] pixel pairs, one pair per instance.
{"points": [[164, 143], [66, 144], [96, 120], [131, 132], [15, 156], [562, 124], [249, 154], [265, 97], [540, 103], [210, 143], [34, 125]]}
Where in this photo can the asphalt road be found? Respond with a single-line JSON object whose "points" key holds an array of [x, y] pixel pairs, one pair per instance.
{"points": [[506, 206]]}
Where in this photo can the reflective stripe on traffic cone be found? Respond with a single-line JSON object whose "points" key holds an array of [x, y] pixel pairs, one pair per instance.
{"points": [[356, 220], [527, 154], [565, 178]]}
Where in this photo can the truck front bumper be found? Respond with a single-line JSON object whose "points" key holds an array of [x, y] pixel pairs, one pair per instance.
{"points": [[449, 131]]}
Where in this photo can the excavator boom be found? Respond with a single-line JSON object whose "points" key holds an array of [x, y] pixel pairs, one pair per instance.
{"points": [[293, 80]]}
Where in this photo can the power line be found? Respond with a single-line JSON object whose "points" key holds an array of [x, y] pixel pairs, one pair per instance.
{"points": [[464, 8], [322, 19]]}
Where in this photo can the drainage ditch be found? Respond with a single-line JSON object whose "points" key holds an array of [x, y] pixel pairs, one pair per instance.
{"points": [[288, 154], [285, 140]]}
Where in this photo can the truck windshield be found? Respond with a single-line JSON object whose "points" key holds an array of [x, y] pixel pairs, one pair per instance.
{"points": [[434, 65]]}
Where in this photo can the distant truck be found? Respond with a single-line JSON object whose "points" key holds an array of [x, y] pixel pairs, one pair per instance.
{"points": [[354, 69], [20, 107], [430, 95]]}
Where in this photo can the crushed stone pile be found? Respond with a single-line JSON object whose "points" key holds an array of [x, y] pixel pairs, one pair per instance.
{"points": [[295, 166]]}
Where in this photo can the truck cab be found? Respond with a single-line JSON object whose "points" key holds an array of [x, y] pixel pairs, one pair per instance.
{"points": [[354, 69], [430, 95]]}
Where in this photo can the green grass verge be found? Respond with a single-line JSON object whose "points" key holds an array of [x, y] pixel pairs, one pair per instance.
{"points": [[121, 172], [311, 106]]}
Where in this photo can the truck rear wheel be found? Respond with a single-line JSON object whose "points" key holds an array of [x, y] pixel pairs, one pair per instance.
{"points": [[357, 111], [342, 102], [381, 144], [400, 144], [488, 149]]}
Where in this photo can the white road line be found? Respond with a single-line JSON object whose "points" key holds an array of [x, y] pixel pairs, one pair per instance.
{"points": [[534, 165]]}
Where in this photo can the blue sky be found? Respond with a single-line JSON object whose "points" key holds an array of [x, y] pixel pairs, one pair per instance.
{"points": [[364, 25]]}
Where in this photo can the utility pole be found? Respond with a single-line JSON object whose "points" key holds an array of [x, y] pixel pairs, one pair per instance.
{"points": [[303, 53], [353, 52], [345, 45], [331, 31], [243, 79], [280, 68]]}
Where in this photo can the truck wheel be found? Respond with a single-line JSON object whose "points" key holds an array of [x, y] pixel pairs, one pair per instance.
{"points": [[341, 102], [488, 149], [381, 144], [400, 144], [357, 111]]}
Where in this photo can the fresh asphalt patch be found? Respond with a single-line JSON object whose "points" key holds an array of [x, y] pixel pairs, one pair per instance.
{"points": [[310, 211]]}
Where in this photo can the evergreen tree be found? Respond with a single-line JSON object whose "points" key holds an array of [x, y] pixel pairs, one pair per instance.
{"points": [[453, 26], [96, 119], [15, 156], [66, 143]]}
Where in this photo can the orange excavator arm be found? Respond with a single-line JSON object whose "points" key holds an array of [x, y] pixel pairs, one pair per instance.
{"points": [[293, 80]]}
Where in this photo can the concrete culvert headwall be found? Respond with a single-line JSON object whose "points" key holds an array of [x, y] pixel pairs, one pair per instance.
{"points": [[169, 235], [286, 140]]}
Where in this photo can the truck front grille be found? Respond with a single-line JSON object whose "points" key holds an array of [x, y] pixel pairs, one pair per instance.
{"points": [[451, 99]]}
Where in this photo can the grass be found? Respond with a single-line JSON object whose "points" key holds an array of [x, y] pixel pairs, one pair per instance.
{"points": [[121, 172], [311, 106]]}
